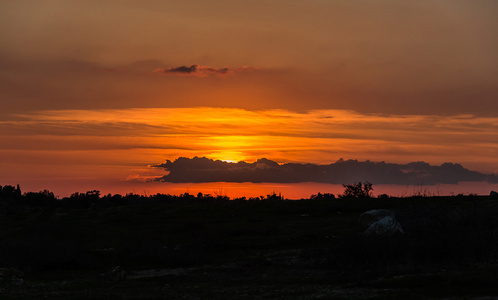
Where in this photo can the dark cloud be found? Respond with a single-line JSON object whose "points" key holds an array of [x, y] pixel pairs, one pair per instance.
{"points": [[201, 169], [183, 69], [202, 71]]}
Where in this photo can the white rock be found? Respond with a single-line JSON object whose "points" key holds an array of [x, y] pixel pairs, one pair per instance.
{"points": [[374, 215], [385, 226]]}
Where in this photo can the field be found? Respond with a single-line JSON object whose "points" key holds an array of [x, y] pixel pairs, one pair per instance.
{"points": [[200, 248]]}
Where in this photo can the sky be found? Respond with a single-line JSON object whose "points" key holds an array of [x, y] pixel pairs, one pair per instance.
{"points": [[94, 93]]}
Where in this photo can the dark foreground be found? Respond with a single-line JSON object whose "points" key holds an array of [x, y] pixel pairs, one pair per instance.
{"points": [[267, 249]]}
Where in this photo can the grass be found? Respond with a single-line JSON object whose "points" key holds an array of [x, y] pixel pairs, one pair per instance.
{"points": [[306, 249]]}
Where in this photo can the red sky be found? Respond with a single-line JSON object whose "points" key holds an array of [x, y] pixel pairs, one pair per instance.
{"points": [[95, 91]]}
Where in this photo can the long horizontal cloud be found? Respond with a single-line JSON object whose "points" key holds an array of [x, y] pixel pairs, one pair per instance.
{"points": [[202, 71], [202, 169]]}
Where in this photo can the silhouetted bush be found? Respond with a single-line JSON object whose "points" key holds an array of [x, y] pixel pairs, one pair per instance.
{"points": [[357, 190], [320, 196], [43, 198]]}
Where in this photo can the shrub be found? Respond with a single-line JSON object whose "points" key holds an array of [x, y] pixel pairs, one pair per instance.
{"points": [[357, 190]]}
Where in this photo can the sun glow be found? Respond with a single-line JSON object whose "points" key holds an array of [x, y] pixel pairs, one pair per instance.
{"points": [[231, 142], [228, 156], [120, 144], [230, 147]]}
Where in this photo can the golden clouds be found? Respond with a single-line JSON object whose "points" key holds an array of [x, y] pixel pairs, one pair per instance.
{"points": [[318, 136], [116, 145]]}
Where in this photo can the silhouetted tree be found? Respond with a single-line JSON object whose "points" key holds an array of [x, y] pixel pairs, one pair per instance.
{"points": [[10, 199], [273, 196], [84, 200], [10, 192], [18, 191], [320, 196], [43, 198], [357, 190]]}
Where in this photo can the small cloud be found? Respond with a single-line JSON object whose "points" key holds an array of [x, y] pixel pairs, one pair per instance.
{"points": [[203, 71]]}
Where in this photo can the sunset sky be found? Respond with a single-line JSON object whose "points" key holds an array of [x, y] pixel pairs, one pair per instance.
{"points": [[92, 93]]}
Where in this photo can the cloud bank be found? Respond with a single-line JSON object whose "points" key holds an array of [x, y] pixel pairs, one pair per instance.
{"points": [[202, 169]]}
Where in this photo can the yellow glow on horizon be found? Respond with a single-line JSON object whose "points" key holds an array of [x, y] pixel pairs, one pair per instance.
{"points": [[231, 142], [230, 147], [228, 156], [120, 143]]}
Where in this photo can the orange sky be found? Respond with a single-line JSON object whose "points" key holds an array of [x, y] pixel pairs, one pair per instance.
{"points": [[92, 92]]}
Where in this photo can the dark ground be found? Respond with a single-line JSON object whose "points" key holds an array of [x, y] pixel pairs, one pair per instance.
{"points": [[268, 249]]}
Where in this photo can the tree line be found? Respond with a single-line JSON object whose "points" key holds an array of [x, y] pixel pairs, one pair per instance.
{"points": [[12, 199]]}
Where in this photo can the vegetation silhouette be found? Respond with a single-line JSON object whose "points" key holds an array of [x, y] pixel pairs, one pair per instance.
{"points": [[449, 244], [12, 200], [357, 190]]}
